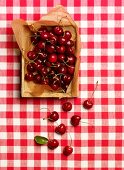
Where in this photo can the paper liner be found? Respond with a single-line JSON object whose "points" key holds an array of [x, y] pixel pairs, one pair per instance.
{"points": [[23, 30]]}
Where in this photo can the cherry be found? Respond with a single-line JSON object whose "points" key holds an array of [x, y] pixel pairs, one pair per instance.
{"points": [[67, 106], [88, 104], [42, 55], [68, 35], [50, 48], [37, 49], [41, 45], [70, 43], [69, 50], [29, 77], [44, 35], [55, 86], [54, 116], [43, 71], [31, 55], [37, 61], [67, 150], [66, 78], [37, 79], [45, 81], [62, 40], [43, 29], [30, 67], [71, 59], [60, 49], [47, 63], [52, 58], [35, 39], [71, 69], [52, 144], [61, 129], [62, 69], [38, 66], [52, 39], [75, 120], [56, 65], [61, 57], [58, 30]]}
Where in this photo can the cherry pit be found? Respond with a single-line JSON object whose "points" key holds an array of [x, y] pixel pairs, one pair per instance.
{"points": [[52, 60]]}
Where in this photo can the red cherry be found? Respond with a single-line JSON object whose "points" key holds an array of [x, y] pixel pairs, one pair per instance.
{"points": [[37, 49], [31, 55], [35, 38], [41, 45], [71, 69], [61, 57], [75, 120], [52, 144], [62, 40], [66, 78], [61, 129], [50, 48], [38, 66], [70, 43], [52, 58], [54, 116], [29, 77], [60, 49], [71, 59], [37, 79], [58, 30], [67, 150], [43, 29], [42, 55], [30, 67], [68, 35], [62, 69], [88, 104], [55, 86], [69, 50], [45, 81], [52, 39], [67, 106], [44, 35], [43, 71]]}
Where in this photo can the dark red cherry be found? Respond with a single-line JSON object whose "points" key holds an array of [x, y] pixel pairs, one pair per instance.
{"points": [[50, 48], [29, 77], [67, 106], [41, 45], [70, 43], [52, 58], [58, 30], [62, 40], [52, 144], [53, 39], [66, 78], [55, 86], [54, 116], [67, 35], [71, 59], [61, 129], [67, 150], [56, 65], [37, 49], [71, 69], [87, 104], [37, 79], [30, 67], [35, 38], [45, 81], [31, 55], [43, 29], [38, 66], [62, 69], [43, 71], [37, 61], [75, 120], [69, 50], [64, 86], [42, 55], [44, 35], [60, 49], [61, 57], [47, 63]]}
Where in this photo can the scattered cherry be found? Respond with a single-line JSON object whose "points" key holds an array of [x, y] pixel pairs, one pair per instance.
{"points": [[61, 129], [54, 116], [52, 144], [88, 104], [67, 150], [75, 120], [67, 106]]}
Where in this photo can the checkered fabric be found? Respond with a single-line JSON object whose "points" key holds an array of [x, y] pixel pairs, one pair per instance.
{"points": [[102, 59]]}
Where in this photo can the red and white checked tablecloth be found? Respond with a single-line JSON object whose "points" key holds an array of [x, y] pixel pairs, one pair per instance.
{"points": [[102, 59]]}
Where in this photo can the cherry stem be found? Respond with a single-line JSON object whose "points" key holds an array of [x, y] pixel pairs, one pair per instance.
{"points": [[67, 64], [94, 91], [70, 138], [91, 124]]}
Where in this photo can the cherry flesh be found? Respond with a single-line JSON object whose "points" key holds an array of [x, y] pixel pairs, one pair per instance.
{"points": [[67, 106], [52, 144], [67, 150], [54, 116], [75, 120], [61, 129]]}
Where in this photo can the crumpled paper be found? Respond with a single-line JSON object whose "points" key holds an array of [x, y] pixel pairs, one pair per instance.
{"points": [[23, 31]]}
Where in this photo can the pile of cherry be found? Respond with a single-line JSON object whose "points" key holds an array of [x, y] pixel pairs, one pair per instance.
{"points": [[60, 129], [52, 60]]}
